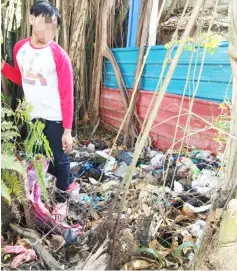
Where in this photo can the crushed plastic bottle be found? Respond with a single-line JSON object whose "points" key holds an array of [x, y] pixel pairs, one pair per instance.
{"points": [[121, 169], [110, 166]]}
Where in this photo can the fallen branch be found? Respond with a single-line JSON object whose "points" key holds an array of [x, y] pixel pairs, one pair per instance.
{"points": [[95, 129], [28, 233], [99, 258], [41, 251]]}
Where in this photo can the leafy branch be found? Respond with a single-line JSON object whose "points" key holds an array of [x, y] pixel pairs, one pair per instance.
{"points": [[209, 41], [35, 146]]}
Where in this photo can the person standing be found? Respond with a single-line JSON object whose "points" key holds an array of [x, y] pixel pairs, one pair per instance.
{"points": [[44, 71]]}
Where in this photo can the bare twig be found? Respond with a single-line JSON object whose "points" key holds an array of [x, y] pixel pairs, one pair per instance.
{"points": [[93, 257]]}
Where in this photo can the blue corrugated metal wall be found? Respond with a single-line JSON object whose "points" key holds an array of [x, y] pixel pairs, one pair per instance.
{"points": [[134, 13], [214, 81]]}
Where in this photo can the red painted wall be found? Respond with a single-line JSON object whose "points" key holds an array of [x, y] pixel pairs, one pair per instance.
{"points": [[112, 112]]}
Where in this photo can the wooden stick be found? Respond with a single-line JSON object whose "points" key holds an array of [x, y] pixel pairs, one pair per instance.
{"points": [[93, 257], [95, 129]]}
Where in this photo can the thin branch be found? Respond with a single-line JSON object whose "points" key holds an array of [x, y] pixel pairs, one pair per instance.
{"points": [[95, 129]]}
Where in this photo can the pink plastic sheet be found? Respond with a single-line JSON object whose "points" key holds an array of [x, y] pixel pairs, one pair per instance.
{"points": [[42, 217], [24, 255]]}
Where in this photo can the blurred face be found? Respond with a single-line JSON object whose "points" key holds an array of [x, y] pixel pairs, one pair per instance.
{"points": [[43, 27]]}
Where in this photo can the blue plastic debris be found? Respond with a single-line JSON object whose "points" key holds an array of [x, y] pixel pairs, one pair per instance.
{"points": [[70, 236], [125, 157]]}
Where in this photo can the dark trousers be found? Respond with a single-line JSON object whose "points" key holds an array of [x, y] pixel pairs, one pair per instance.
{"points": [[60, 167]]}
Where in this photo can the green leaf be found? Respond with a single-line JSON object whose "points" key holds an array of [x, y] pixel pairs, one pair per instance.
{"points": [[6, 111], [39, 163], [5, 192], [180, 248], [2, 96], [10, 162], [6, 257], [143, 251], [13, 183]]}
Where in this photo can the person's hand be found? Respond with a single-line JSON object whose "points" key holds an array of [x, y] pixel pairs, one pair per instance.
{"points": [[67, 141]]}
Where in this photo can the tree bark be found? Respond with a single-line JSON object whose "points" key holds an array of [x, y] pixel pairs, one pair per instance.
{"points": [[102, 50], [72, 39]]}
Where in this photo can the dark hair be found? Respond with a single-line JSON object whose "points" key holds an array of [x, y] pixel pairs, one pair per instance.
{"points": [[45, 8]]}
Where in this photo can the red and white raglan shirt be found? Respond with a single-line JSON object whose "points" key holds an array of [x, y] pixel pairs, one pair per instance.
{"points": [[47, 79]]}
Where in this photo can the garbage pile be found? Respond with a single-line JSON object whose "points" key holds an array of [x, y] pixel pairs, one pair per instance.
{"points": [[165, 214], [166, 219]]}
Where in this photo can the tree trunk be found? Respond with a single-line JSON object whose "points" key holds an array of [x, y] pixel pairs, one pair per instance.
{"points": [[77, 53], [72, 39], [102, 50], [65, 26]]}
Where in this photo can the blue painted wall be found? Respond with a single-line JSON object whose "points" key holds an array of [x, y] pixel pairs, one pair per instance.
{"points": [[215, 77]]}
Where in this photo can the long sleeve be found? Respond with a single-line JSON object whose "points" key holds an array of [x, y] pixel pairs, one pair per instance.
{"points": [[13, 73], [65, 84]]}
